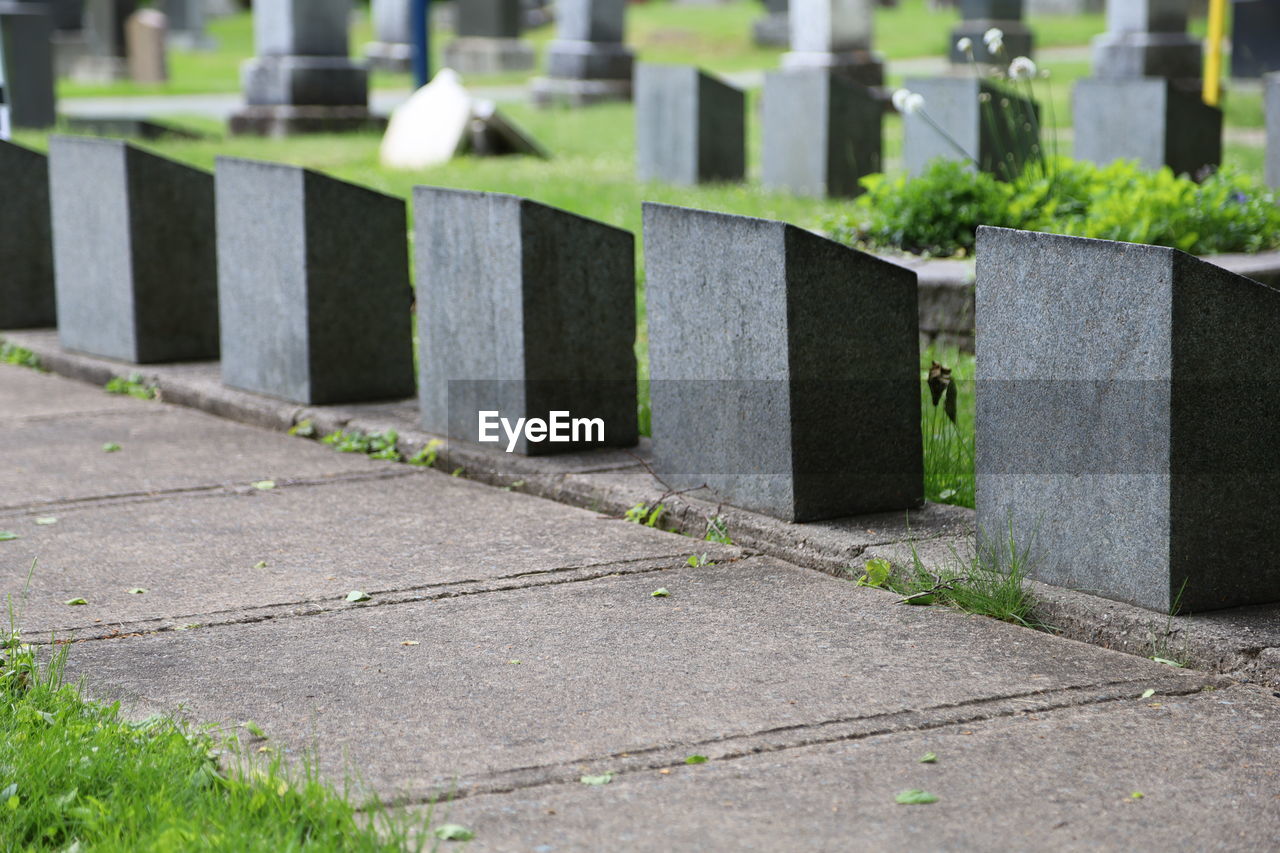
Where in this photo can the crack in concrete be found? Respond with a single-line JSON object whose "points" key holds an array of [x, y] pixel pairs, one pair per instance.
{"points": [[839, 730], [208, 490], [6, 420], [380, 598]]}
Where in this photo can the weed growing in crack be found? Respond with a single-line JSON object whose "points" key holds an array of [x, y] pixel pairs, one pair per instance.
{"points": [[20, 356], [132, 385], [375, 445]]}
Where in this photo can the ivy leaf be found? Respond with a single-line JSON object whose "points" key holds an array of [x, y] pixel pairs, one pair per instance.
{"points": [[660, 592], [453, 832], [915, 797], [261, 564], [929, 758], [602, 779], [1147, 694], [110, 447], [875, 573], [696, 759], [357, 595], [75, 602], [7, 536]]}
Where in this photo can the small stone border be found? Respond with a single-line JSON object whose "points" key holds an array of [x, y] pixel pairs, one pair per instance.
{"points": [[946, 291], [1242, 643]]}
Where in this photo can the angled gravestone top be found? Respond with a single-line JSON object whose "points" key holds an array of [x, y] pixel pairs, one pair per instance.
{"points": [[134, 252], [523, 309], [1125, 429], [690, 126], [26, 254], [784, 367], [313, 284]]}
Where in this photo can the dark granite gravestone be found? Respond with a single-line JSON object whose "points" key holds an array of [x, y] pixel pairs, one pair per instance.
{"points": [[1255, 37], [26, 256], [821, 132], [587, 63], [1126, 420], [104, 37], [1271, 106], [488, 39], [524, 310], [784, 367], [27, 54], [976, 121], [313, 286], [135, 264], [1147, 38], [980, 16], [1151, 120], [690, 126], [834, 34], [302, 80]]}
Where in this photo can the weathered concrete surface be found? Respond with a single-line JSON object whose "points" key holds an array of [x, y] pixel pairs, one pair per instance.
{"points": [[1206, 765], [738, 650], [29, 394], [162, 449], [417, 535]]}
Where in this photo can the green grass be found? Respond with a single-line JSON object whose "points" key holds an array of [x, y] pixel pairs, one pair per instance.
{"points": [[948, 447], [76, 774]]}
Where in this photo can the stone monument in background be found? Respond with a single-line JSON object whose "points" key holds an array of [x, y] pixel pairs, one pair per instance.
{"points": [[302, 79], [1143, 101], [834, 34], [587, 62], [488, 38]]}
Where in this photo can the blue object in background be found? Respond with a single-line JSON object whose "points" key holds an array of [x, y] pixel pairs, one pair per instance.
{"points": [[421, 23]]}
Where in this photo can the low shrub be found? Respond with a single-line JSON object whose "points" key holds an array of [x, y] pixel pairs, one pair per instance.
{"points": [[938, 212]]}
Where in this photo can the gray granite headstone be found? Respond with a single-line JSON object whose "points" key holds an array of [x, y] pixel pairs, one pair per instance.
{"points": [[979, 16], [834, 34], [1147, 38], [1255, 37], [821, 132], [1143, 101], [135, 264], [784, 367], [1271, 106], [302, 79], [100, 56], [690, 126], [488, 39], [525, 310], [1125, 428], [27, 54], [967, 119], [313, 286], [26, 254], [1151, 120], [392, 47], [587, 62]]}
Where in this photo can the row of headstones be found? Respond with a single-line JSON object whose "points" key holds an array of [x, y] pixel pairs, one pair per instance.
{"points": [[1124, 435]]}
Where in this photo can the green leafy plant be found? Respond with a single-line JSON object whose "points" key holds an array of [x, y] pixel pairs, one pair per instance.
{"points": [[427, 456], [375, 445], [645, 514], [717, 531], [303, 429], [937, 213], [875, 573], [132, 385], [915, 797], [21, 356], [699, 560]]}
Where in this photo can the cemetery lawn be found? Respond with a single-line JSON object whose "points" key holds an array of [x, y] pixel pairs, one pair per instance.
{"points": [[716, 37], [77, 775]]}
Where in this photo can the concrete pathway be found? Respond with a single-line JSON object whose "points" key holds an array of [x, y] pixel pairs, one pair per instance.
{"points": [[511, 645]]}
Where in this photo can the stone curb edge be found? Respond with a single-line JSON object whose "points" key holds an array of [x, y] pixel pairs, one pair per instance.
{"points": [[610, 482]]}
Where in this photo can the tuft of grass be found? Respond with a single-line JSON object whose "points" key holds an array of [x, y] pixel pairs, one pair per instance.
{"points": [[948, 444], [993, 582], [132, 385], [21, 356], [78, 775]]}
